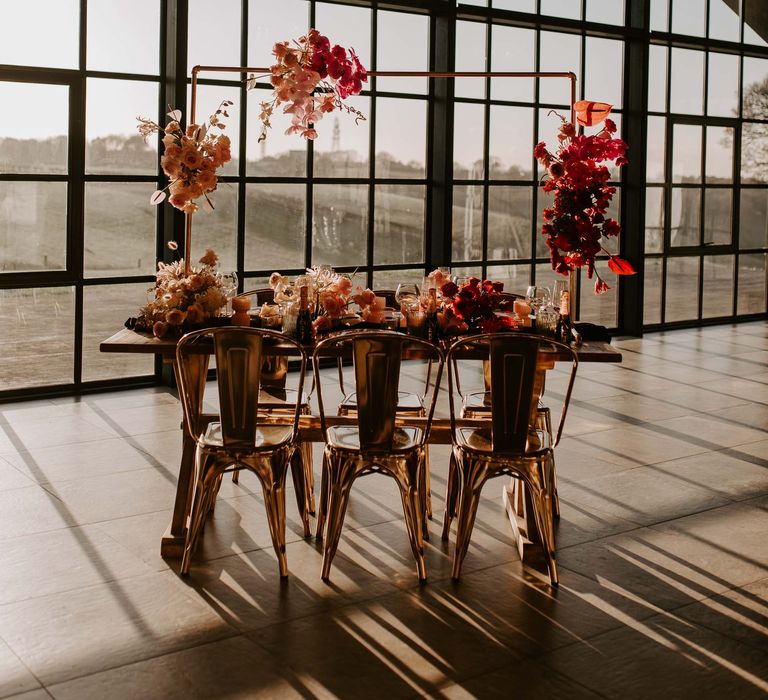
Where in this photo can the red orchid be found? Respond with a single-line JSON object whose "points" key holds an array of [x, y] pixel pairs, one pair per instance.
{"points": [[578, 179]]}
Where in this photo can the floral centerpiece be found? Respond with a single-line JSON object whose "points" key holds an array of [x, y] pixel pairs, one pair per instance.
{"points": [[191, 158], [181, 300], [312, 78], [578, 177], [471, 306]]}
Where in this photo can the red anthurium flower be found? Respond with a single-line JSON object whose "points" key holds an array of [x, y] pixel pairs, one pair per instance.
{"points": [[620, 266], [600, 286], [589, 113]]}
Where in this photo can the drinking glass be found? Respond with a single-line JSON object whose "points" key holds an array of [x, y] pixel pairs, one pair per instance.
{"points": [[407, 295], [229, 287], [538, 297]]}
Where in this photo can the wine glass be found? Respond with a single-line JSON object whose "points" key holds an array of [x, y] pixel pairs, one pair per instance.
{"points": [[538, 297], [407, 294], [229, 287]]}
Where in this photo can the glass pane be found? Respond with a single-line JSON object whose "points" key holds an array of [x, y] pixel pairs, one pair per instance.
{"points": [[545, 275], [719, 165], [401, 152], [559, 53], [469, 121], [341, 148], [754, 152], [753, 220], [689, 17], [753, 81], [512, 49], [561, 8], [33, 226], [340, 225], [654, 220], [652, 291], [598, 308], [43, 33], [657, 78], [467, 231], [133, 49], [722, 93], [402, 44], [218, 229], [398, 224], [113, 144], [349, 27], [280, 154], [752, 289], [682, 301], [544, 200], [108, 251], [515, 278], [686, 153], [687, 91], [516, 5], [266, 28], [755, 29], [604, 70], [685, 216], [718, 204], [511, 143], [724, 22], [655, 151], [213, 37], [548, 126], [717, 299], [659, 15], [470, 56], [105, 309], [389, 279], [43, 319], [275, 219], [509, 223], [605, 11], [38, 142], [209, 99]]}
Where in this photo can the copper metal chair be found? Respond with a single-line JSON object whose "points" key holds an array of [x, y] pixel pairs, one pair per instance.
{"points": [[274, 397], [241, 438], [374, 443], [512, 443]]}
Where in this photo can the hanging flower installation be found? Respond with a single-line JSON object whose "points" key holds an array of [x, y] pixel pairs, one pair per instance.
{"points": [[312, 78], [191, 158], [578, 177]]}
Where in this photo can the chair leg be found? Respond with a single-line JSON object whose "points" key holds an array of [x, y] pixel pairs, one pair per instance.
{"points": [[413, 509], [451, 497], [236, 476], [542, 512], [340, 476], [322, 508], [196, 517], [473, 476], [274, 500], [300, 486], [427, 488], [309, 475]]}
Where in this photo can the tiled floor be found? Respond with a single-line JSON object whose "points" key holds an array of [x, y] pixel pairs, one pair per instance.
{"points": [[663, 557]]}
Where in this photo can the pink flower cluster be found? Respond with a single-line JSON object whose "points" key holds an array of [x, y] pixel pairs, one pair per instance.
{"points": [[312, 78], [577, 221], [191, 158]]}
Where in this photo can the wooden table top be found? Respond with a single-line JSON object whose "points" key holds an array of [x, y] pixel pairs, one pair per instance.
{"points": [[126, 340]]}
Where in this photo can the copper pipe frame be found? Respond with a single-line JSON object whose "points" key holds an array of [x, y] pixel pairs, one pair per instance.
{"points": [[388, 74]]}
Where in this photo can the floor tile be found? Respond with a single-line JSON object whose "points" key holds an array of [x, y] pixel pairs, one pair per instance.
{"points": [[15, 677], [11, 477], [32, 509]]}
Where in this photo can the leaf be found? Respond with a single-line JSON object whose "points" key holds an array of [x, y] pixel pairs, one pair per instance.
{"points": [[620, 266], [201, 132], [175, 114], [157, 197], [589, 113]]}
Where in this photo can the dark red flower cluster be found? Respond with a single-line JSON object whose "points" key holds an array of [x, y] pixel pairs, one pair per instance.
{"points": [[578, 178], [474, 303], [347, 71]]}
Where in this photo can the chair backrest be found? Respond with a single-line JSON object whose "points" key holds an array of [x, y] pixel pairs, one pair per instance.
{"points": [[512, 363], [377, 358], [389, 295], [239, 354], [265, 295]]}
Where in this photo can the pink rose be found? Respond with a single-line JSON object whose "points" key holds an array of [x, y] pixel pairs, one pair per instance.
{"points": [[191, 157], [160, 329], [332, 304]]}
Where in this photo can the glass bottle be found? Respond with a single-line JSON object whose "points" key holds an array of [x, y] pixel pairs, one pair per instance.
{"points": [[564, 334], [431, 320], [304, 318]]}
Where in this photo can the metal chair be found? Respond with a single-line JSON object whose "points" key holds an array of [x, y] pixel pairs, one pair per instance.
{"points": [[512, 443], [274, 397], [374, 443], [241, 438]]}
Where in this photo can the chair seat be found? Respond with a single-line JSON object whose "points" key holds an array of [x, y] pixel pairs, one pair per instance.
{"points": [[479, 440], [276, 398], [407, 402], [481, 401], [266, 437], [346, 437]]}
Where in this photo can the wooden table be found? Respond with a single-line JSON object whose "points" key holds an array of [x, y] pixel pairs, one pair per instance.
{"points": [[172, 543]]}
